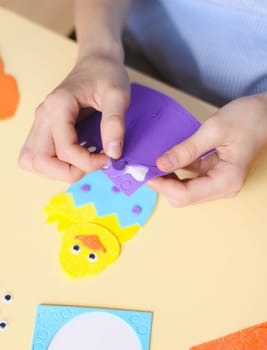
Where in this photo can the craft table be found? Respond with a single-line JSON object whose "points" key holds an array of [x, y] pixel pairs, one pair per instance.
{"points": [[53, 14], [201, 270]]}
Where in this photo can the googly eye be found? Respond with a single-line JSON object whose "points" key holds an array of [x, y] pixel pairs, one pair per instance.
{"points": [[76, 248], [3, 325], [7, 298], [92, 257]]}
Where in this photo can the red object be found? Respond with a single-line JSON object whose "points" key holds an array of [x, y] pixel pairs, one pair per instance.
{"points": [[253, 338], [9, 94]]}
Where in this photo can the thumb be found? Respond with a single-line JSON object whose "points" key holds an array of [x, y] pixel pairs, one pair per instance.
{"points": [[115, 102], [200, 144]]}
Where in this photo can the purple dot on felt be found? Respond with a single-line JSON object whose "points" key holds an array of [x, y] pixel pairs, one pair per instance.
{"points": [[85, 188], [119, 164], [136, 209], [115, 189]]}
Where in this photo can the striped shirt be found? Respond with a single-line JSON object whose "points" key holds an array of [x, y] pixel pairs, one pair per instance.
{"points": [[213, 49]]}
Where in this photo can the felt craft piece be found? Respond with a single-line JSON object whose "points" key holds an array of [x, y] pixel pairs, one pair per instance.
{"points": [[9, 94], [87, 249], [62, 210], [96, 188], [96, 218], [154, 123], [253, 338], [68, 328]]}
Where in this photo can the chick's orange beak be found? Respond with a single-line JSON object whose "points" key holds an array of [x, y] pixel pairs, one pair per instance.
{"points": [[92, 242]]}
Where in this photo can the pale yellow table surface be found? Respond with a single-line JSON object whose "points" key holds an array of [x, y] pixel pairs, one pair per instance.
{"points": [[202, 270]]}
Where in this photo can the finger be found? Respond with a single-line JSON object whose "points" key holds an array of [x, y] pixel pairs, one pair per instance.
{"points": [[69, 151], [202, 166], [53, 168], [26, 154], [115, 101], [41, 156], [43, 163], [207, 137], [223, 181], [61, 110]]}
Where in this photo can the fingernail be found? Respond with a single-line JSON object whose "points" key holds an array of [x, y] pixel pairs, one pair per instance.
{"points": [[114, 149], [167, 162], [106, 165]]}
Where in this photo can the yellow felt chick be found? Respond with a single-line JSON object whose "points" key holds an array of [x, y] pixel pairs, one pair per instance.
{"points": [[89, 243], [87, 249], [95, 218]]}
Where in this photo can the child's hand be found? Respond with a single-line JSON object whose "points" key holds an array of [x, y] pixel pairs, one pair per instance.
{"points": [[51, 149], [237, 131]]}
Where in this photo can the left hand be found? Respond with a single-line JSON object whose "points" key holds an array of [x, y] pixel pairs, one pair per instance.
{"points": [[237, 131]]}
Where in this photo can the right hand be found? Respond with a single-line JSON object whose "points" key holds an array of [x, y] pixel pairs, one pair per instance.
{"points": [[51, 148], [238, 131]]}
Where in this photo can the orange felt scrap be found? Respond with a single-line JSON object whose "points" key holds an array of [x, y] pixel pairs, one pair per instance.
{"points": [[253, 338], [9, 94]]}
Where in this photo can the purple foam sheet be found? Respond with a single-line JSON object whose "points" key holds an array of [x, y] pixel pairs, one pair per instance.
{"points": [[88, 130], [154, 124]]}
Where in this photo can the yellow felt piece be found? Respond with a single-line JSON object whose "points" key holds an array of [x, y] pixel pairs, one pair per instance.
{"points": [[123, 234], [62, 210], [79, 259]]}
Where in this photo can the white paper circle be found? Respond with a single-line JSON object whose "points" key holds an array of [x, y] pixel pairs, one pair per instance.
{"points": [[95, 331]]}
